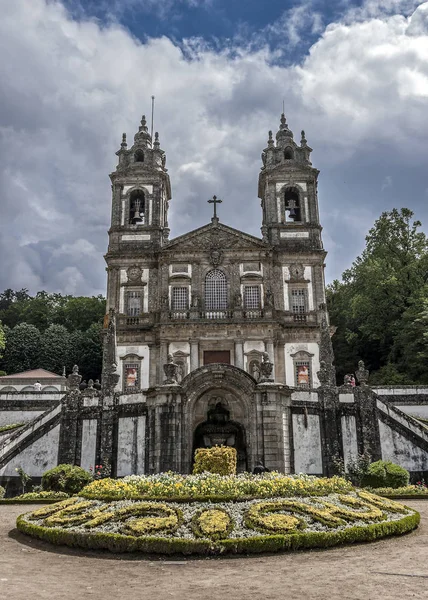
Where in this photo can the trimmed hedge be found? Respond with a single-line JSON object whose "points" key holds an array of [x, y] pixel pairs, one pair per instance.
{"points": [[2, 492], [66, 478], [219, 459], [272, 543], [407, 492], [384, 473]]}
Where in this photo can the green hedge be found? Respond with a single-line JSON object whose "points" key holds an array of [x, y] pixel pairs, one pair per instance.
{"points": [[383, 474], [66, 478], [272, 543]]}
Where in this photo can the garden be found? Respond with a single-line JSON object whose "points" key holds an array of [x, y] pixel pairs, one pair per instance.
{"points": [[214, 511]]}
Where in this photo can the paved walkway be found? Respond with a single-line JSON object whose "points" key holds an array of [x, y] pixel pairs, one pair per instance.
{"points": [[389, 569]]}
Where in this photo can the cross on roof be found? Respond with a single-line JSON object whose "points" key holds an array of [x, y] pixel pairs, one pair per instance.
{"points": [[215, 201]]}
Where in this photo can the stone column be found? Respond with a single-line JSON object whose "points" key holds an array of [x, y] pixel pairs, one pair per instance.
{"points": [[239, 354], [270, 350], [194, 355], [163, 353]]}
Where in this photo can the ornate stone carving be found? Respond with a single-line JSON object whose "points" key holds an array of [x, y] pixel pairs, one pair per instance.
{"points": [[269, 300], [215, 257], [266, 368], [297, 272], [362, 373], [134, 273], [74, 379], [171, 371], [90, 391]]}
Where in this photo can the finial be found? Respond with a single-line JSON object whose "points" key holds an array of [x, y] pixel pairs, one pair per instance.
{"points": [[143, 123], [270, 140], [156, 142], [123, 145], [215, 201], [283, 122], [303, 141]]}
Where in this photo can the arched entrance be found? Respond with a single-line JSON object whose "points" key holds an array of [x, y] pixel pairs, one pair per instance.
{"points": [[219, 408], [220, 430]]}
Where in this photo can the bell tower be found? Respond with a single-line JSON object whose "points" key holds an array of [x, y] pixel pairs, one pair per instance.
{"points": [[288, 191], [141, 192]]}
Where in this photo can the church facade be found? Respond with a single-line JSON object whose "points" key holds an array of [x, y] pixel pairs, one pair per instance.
{"points": [[214, 337], [217, 301]]}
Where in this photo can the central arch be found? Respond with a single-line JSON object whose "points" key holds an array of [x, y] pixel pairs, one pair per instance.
{"points": [[220, 409]]}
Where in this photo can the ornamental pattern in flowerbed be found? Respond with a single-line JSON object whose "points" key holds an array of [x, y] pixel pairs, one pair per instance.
{"points": [[207, 527]]}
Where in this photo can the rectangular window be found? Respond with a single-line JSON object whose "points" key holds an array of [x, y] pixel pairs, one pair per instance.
{"points": [[303, 373], [131, 376], [252, 297], [180, 298], [133, 304], [298, 301]]}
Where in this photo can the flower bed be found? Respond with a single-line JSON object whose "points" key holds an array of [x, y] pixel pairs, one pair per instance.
{"points": [[408, 491], [206, 527], [35, 498], [209, 486]]}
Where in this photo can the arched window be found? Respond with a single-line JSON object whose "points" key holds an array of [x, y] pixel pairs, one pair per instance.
{"points": [[137, 206], [215, 290], [292, 205], [139, 156], [289, 153]]}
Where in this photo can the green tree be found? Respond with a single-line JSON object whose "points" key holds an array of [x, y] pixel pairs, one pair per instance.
{"points": [[86, 351], [379, 298], [22, 348], [55, 348], [2, 339]]}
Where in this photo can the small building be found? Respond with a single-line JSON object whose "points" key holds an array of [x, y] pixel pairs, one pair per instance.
{"points": [[27, 382]]}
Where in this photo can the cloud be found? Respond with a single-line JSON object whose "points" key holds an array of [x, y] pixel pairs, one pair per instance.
{"points": [[69, 88]]}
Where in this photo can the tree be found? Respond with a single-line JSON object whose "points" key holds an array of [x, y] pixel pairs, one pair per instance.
{"points": [[22, 348], [379, 298], [86, 351], [55, 348], [2, 340]]}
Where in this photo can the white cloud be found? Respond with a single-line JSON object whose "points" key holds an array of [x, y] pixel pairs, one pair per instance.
{"points": [[69, 88]]}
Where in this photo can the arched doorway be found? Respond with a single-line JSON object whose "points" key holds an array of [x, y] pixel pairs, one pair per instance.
{"points": [[220, 430]]}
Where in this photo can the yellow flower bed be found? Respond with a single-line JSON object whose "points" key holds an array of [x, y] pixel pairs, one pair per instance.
{"points": [[208, 485], [212, 523], [219, 459]]}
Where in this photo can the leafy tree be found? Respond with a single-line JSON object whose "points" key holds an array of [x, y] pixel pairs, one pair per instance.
{"points": [[2, 339], [55, 348], [22, 348], [378, 307], [86, 351]]}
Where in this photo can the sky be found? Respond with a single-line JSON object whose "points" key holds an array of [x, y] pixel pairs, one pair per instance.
{"points": [[75, 74]]}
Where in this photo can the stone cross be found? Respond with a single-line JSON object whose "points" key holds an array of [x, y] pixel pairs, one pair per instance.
{"points": [[215, 201]]}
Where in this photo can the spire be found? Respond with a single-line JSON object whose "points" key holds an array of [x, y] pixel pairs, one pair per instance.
{"points": [[303, 141], [284, 134], [143, 136]]}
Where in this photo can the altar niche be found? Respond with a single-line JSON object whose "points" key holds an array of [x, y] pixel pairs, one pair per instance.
{"points": [[220, 430]]}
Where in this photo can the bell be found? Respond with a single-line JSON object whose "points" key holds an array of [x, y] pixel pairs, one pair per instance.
{"points": [[136, 219], [293, 213]]}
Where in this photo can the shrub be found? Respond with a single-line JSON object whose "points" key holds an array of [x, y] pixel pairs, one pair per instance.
{"points": [[385, 474], [219, 459], [2, 492], [66, 478]]}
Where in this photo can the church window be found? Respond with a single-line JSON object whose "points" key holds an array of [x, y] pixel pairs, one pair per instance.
{"points": [[131, 375], [288, 153], [139, 156], [298, 302], [133, 303], [303, 373], [215, 290], [252, 297], [180, 298], [292, 206], [137, 206]]}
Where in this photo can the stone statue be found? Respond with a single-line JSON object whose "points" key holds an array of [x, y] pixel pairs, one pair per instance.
{"points": [[266, 368], [195, 300], [74, 379], [238, 300], [171, 371], [362, 373], [269, 298]]}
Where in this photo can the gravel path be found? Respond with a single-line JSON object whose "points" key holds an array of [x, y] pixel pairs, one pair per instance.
{"points": [[394, 568]]}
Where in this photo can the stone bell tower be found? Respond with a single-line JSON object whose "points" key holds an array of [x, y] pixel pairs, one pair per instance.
{"points": [[141, 192], [288, 190]]}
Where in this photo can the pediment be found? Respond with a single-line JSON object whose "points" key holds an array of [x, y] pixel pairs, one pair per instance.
{"points": [[215, 236]]}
